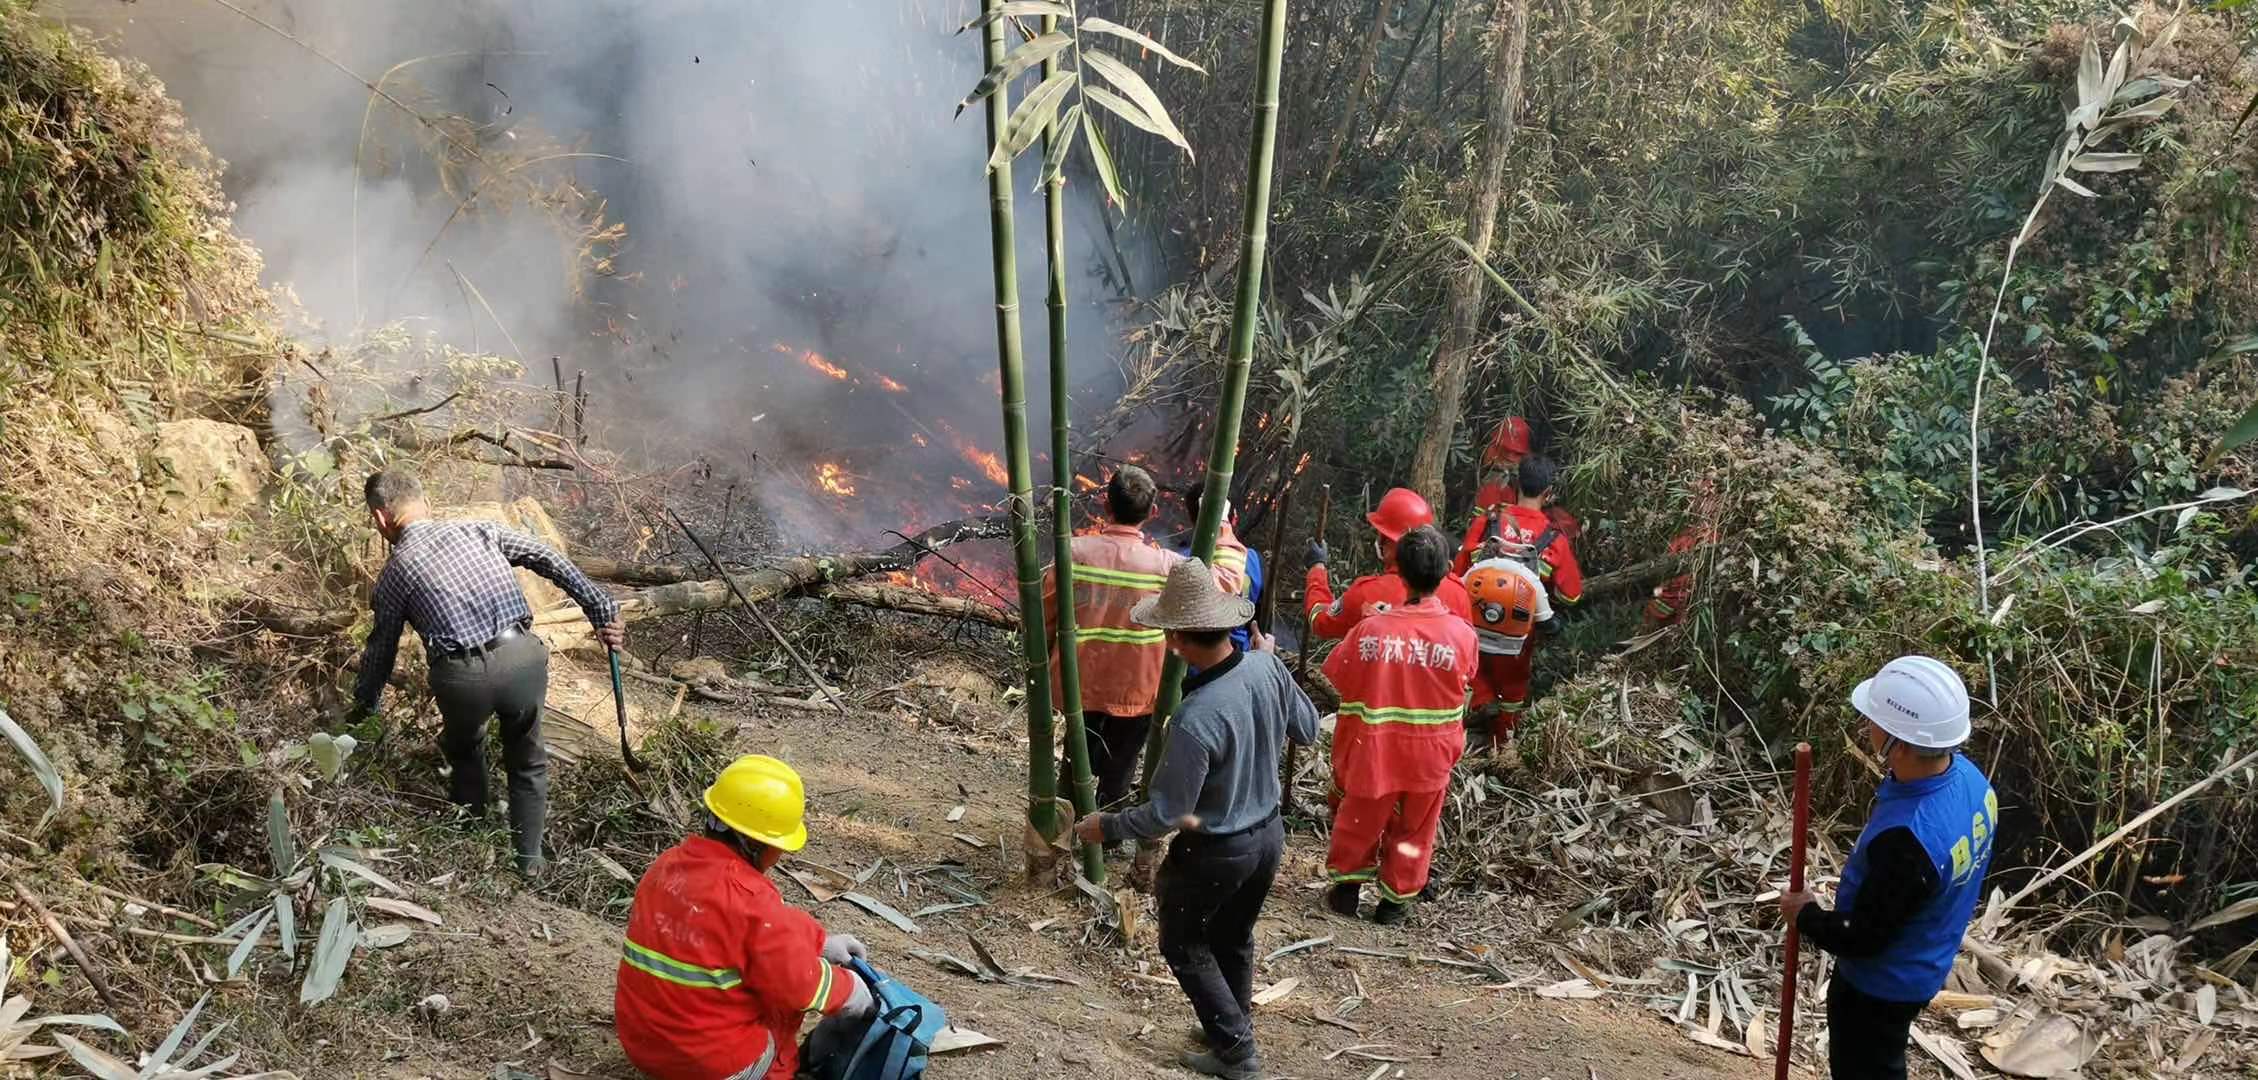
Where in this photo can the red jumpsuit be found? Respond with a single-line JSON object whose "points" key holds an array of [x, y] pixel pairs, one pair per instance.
{"points": [[1498, 498], [1403, 676], [1504, 680], [718, 970], [1670, 597], [1368, 595]]}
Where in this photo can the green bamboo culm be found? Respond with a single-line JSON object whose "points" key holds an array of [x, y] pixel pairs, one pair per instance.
{"points": [[1254, 241], [1085, 791], [1042, 774]]}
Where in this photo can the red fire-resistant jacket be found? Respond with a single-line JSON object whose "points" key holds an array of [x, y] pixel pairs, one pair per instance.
{"points": [[1120, 660], [1403, 676], [1370, 595], [1498, 498], [1519, 524], [718, 969]]}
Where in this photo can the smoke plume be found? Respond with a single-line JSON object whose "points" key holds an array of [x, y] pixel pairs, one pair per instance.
{"points": [[802, 294]]}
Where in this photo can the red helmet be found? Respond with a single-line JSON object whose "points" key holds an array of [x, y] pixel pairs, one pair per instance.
{"points": [[1400, 511], [1511, 437]]}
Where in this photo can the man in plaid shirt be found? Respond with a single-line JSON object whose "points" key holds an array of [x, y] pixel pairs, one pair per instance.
{"points": [[451, 581]]}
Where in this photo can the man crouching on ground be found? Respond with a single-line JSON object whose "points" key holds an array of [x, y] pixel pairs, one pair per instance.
{"points": [[1217, 786]]}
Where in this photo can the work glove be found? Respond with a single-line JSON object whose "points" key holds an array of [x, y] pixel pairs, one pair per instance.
{"points": [[1318, 556], [860, 1003], [840, 948]]}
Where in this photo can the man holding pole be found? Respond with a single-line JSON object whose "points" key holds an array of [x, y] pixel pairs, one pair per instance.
{"points": [[1217, 787], [452, 582], [1914, 877]]}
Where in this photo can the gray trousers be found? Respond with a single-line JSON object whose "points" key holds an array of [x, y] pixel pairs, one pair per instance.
{"points": [[508, 683]]}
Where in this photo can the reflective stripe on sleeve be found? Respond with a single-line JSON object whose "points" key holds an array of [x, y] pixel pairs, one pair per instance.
{"points": [[822, 988], [759, 1069]]}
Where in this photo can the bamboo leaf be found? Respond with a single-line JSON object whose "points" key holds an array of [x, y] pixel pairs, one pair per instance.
{"points": [[1034, 113], [286, 925], [2138, 88], [1122, 108], [2148, 110], [1062, 143], [1101, 159], [360, 870], [204, 1044], [405, 910], [1016, 63], [2240, 435], [279, 844], [1018, 9], [179, 1034], [2089, 79], [250, 941], [2115, 77], [102, 1066], [40, 767], [2076, 187], [338, 935], [1132, 85], [1104, 26], [84, 1020], [2105, 163]]}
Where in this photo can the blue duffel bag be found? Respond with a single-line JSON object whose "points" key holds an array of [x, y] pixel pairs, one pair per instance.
{"points": [[894, 1041]]}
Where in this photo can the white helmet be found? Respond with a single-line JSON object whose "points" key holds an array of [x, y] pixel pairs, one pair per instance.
{"points": [[1918, 701]]}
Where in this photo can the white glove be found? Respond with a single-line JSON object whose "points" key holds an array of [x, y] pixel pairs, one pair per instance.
{"points": [[860, 1003], [840, 948]]}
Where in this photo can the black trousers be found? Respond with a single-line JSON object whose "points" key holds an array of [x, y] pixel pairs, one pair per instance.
{"points": [[1210, 890], [1866, 1036], [507, 683], [1115, 743]]}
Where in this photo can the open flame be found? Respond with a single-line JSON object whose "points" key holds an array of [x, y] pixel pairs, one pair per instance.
{"points": [[1084, 483], [815, 360], [830, 477], [890, 386], [989, 465]]}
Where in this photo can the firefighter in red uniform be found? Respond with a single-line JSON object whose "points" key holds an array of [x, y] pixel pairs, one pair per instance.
{"points": [[1403, 676], [1670, 598], [1526, 533], [718, 969], [1500, 460], [1400, 511]]}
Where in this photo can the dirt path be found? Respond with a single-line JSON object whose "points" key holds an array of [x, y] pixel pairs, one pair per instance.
{"points": [[529, 982]]}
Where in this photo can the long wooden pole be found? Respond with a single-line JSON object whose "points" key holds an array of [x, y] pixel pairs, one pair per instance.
{"points": [[1042, 771], [1254, 244], [1784, 1043], [1085, 789], [1301, 655]]}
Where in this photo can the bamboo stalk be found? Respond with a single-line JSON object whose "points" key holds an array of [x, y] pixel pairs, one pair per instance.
{"points": [[1042, 773], [1254, 242], [1085, 789]]}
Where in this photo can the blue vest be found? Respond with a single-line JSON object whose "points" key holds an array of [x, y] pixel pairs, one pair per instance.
{"points": [[1953, 814]]}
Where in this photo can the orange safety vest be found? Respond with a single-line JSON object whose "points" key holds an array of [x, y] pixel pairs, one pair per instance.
{"points": [[1403, 676], [1119, 660], [1368, 595], [718, 970], [1231, 564]]}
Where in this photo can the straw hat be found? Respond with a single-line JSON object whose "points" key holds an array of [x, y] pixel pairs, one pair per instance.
{"points": [[1192, 601]]}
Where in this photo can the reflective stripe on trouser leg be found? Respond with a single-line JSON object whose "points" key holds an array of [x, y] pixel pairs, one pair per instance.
{"points": [[1353, 853], [1407, 846], [759, 1069]]}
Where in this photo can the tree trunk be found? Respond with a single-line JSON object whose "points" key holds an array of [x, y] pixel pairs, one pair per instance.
{"points": [[1346, 122], [1042, 770], [1509, 30], [1254, 242], [1084, 793]]}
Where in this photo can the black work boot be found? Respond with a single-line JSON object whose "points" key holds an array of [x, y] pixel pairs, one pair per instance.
{"points": [[1207, 1064], [1391, 912], [1342, 898]]}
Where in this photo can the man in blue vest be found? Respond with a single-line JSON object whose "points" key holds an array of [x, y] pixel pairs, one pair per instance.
{"points": [[1913, 879]]}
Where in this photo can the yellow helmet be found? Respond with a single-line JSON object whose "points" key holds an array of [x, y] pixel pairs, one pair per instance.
{"points": [[762, 799]]}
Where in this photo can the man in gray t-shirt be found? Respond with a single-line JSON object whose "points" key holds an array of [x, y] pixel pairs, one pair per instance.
{"points": [[1217, 787]]}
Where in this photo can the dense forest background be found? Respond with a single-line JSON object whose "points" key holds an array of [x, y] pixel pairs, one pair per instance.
{"points": [[1762, 244]]}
